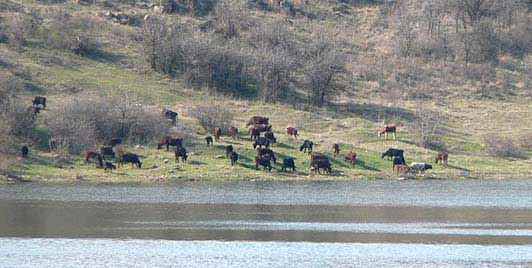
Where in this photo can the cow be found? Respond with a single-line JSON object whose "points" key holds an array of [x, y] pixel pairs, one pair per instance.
{"points": [[261, 141], [258, 120], [442, 158], [391, 153], [268, 152], [336, 149], [401, 169], [107, 151], [171, 115], [321, 164], [129, 158], [114, 142], [38, 100], [351, 157], [181, 152], [398, 160], [388, 129], [169, 141], [208, 140], [292, 131], [289, 163], [233, 132], [94, 155], [234, 158], [217, 133], [306, 146], [24, 151], [263, 161], [318, 156], [228, 150], [420, 167], [109, 166], [257, 129], [271, 137]]}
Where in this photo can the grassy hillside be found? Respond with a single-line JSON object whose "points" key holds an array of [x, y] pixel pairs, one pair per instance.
{"points": [[468, 112]]}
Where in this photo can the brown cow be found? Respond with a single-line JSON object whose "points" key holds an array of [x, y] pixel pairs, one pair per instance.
{"points": [[292, 131], [169, 141], [351, 157], [217, 134], [401, 169], [91, 154], [388, 129], [336, 150], [258, 120], [317, 157], [257, 129], [233, 132], [442, 158]]}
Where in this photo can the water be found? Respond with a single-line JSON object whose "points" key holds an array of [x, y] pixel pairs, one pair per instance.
{"points": [[440, 223]]}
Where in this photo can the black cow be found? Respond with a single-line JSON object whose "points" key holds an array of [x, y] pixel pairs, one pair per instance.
{"points": [[263, 161], [234, 157], [228, 150], [398, 160], [208, 140], [25, 151], [169, 114], [391, 153], [271, 137], [38, 100], [109, 166], [266, 151], [289, 163], [307, 145], [261, 141], [181, 152], [321, 164], [130, 158], [107, 151]]}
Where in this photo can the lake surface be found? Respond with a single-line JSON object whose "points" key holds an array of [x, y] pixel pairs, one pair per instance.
{"points": [[438, 223]]}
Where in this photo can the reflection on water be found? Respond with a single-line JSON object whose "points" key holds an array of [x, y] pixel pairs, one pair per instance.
{"points": [[59, 253], [269, 224]]}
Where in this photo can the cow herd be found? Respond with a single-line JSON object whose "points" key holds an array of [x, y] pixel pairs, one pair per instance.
{"points": [[262, 138]]}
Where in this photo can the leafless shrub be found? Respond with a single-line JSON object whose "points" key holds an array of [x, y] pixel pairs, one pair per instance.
{"points": [[229, 19], [213, 114], [499, 146], [18, 28], [274, 71], [427, 127]]}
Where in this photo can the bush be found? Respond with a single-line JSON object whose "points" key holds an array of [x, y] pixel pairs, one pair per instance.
{"points": [[213, 114], [499, 146], [83, 121]]}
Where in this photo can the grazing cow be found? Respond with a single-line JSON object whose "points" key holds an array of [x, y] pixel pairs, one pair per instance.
{"points": [[401, 169], [271, 137], [263, 161], [169, 141], [258, 120], [107, 151], [208, 140], [391, 153], [228, 150], [336, 149], [114, 142], [388, 129], [129, 158], [442, 158], [268, 152], [398, 160], [289, 163], [38, 100], [109, 166], [351, 157], [217, 133], [257, 129], [292, 131], [261, 141], [181, 152], [420, 167], [233, 132], [234, 158], [25, 151], [171, 115], [306, 146], [94, 155], [321, 164]]}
